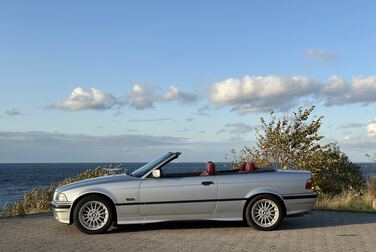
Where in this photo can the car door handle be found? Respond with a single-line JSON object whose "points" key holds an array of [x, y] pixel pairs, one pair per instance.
{"points": [[206, 183]]}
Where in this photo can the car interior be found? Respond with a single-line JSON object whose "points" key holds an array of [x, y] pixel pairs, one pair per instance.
{"points": [[246, 168]]}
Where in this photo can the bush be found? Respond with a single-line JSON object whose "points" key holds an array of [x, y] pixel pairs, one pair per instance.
{"points": [[372, 186], [339, 175], [294, 142], [39, 199]]}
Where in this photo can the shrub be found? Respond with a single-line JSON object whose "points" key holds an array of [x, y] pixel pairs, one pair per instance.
{"points": [[372, 186], [294, 142], [38, 200], [339, 175]]}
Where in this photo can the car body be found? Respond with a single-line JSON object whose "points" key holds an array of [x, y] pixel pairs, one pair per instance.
{"points": [[148, 195]]}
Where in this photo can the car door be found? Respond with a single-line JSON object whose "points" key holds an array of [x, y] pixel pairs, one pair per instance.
{"points": [[178, 197]]}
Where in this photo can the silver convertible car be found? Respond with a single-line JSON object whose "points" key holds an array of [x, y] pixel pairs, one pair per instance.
{"points": [[259, 196]]}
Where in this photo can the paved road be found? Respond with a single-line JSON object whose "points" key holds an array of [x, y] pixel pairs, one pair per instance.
{"points": [[319, 231]]}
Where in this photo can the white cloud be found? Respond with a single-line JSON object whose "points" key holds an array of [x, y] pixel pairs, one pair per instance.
{"points": [[82, 100], [335, 85], [246, 95], [173, 93], [281, 93], [371, 129], [262, 93], [321, 54], [364, 89], [141, 97], [361, 90]]}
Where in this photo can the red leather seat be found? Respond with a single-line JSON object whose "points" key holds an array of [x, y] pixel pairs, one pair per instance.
{"points": [[210, 169], [242, 168], [250, 167]]}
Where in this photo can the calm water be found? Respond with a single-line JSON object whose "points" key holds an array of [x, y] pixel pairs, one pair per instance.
{"points": [[16, 179]]}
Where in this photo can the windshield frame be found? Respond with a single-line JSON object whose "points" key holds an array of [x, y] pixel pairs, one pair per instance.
{"points": [[146, 169]]}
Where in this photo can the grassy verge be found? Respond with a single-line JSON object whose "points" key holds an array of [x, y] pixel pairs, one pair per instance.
{"points": [[350, 201], [38, 200], [347, 201]]}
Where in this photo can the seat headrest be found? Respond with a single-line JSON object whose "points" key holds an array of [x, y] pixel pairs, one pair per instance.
{"points": [[250, 167], [210, 168], [242, 167]]}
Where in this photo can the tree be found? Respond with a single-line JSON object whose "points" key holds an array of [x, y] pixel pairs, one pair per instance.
{"points": [[372, 158], [294, 142]]}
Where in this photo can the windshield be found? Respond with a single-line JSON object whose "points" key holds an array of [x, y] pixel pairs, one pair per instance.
{"points": [[149, 166]]}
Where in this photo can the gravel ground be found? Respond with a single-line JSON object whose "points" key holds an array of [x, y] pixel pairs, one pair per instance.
{"points": [[319, 231]]}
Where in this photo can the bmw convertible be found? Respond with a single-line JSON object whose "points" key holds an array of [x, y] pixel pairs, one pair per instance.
{"points": [[261, 197]]}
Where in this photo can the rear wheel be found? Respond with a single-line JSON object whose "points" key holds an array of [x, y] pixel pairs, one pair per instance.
{"points": [[93, 214], [264, 212]]}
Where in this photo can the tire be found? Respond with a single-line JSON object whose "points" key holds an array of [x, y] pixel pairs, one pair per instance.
{"points": [[264, 212], [93, 214]]}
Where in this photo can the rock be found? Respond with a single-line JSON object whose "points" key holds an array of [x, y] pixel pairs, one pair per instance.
{"points": [[374, 204]]}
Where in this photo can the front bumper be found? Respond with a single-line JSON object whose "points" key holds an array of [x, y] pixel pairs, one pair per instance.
{"points": [[61, 211]]}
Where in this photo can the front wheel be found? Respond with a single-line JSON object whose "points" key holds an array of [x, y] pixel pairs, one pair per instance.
{"points": [[93, 215], [264, 212]]}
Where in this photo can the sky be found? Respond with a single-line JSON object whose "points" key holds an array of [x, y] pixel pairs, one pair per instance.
{"points": [[125, 81]]}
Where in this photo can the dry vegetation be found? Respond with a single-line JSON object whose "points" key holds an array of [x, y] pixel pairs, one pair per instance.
{"points": [[350, 201], [38, 200]]}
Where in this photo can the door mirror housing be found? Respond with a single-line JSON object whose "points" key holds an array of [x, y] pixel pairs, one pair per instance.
{"points": [[157, 173]]}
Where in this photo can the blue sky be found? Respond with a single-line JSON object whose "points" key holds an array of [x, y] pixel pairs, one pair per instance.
{"points": [[193, 76]]}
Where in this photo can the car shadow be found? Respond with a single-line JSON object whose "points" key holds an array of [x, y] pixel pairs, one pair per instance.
{"points": [[315, 219], [320, 219], [176, 225]]}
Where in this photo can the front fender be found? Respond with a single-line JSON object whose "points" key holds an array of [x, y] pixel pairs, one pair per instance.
{"points": [[102, 191], [99, 191]]}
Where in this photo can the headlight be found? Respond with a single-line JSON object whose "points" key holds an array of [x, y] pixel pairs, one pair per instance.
{"points": [[60, 197]]}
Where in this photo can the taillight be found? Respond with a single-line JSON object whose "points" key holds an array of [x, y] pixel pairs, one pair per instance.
{"points": [[308, 184]]}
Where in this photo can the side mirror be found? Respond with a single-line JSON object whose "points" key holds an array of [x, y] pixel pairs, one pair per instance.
{"points": [[157, 173]]}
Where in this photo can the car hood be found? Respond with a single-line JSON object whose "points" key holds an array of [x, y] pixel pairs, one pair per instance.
{"points": [[97, 181]]}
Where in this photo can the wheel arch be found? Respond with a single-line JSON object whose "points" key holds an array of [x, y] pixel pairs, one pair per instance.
{"points": [[113, 207], [275, 195]]}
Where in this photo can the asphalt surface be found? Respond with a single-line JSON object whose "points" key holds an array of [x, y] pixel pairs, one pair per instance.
{"points": [[319, 231]]}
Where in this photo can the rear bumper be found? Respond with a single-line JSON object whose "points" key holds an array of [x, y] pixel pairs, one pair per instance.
{"points": [[61, 212], [299, 203]]}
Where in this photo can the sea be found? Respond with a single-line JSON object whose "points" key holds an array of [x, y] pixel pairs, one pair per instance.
{"points": [[18, 178]]}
